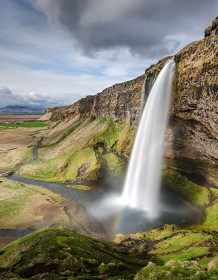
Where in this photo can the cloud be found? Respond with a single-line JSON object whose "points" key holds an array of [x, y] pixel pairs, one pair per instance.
{"points": [[5, 91], [54, 52], [32, 99], [145, 27], [51, 89]]}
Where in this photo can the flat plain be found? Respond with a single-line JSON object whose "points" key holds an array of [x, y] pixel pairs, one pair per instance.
{"points": [[18, 118]]}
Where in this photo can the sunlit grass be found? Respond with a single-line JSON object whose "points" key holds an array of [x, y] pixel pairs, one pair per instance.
{"points": [[24, 124]]}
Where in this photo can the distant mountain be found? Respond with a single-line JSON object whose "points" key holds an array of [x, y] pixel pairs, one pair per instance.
{"points": [[21, 110], [15, 107]]}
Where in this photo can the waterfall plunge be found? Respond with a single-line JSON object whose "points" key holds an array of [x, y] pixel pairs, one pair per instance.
{"points": [[142, 184]]}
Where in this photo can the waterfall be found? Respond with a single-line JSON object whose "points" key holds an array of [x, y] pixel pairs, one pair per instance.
{"points": [[142, 184]]}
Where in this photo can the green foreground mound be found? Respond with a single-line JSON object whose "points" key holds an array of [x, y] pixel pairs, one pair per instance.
{"points": [[64, 254], [167, 253]]}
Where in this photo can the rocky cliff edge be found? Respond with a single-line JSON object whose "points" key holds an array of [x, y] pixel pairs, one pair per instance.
{"points": [[193, 129]]}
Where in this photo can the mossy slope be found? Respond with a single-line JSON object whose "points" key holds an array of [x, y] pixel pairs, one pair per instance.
{"points": [[64, 254], [196, 183], [83, 150]]}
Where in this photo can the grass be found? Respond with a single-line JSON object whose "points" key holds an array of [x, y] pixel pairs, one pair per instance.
{"points": [[110, 134], [171, 242], [64, 254], [205, 195], [125, 140], [211, 220], [114, 163], [24, 124], [174, 253], [73, 155], [80, 161], [157, 233], [66, 167], [188, 190], [182, 246], [22, 205], [176, 270], [64, 135]]}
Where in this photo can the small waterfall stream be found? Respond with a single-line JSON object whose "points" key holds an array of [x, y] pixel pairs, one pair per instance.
{"points": [[142, 184]]}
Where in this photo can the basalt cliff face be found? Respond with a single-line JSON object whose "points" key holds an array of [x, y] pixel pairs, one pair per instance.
{"points": [[194, 126], [120, 101], [193, 129]]}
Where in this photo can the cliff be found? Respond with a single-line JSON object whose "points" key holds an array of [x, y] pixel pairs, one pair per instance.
{"points": [[193, 129], [194, 125], [120, 101]]}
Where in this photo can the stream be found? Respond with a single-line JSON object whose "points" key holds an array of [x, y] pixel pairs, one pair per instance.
{"points": [[102, 204]]}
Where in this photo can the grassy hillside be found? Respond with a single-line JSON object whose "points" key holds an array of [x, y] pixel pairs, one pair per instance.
{"points": [[63, 254], [25, 206], [75, 150]]}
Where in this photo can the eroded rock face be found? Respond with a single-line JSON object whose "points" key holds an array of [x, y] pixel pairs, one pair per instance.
{"points": [[193, 129], [120, 101]]}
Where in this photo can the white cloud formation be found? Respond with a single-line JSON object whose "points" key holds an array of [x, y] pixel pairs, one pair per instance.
{"points": [[5, 91], [55, 52]]}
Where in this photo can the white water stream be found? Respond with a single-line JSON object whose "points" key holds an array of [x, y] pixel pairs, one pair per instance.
{"points": [[142, 184]]}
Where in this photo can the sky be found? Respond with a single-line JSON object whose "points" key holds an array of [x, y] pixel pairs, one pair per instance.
{"points": [[53, 52]]}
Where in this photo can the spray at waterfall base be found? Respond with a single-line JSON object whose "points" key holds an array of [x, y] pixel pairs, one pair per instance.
{"points": [[143, 205]]}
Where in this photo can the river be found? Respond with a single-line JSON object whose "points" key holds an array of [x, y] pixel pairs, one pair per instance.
{"points": [[101, 203]]}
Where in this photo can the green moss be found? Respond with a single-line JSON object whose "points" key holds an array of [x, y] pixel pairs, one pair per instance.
{"points": [[190, 191], [214, 192], [110, 134], [211, 220], [176, 270], [182, 246], [126, 139], [78, 159], [186, 254], [157, 233], [64, 253], [115, 164], [65, 167], [207, 66], [203, 168]]}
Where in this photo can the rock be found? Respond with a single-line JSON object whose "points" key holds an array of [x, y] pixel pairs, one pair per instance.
{"points": [[120, 101], [193, 132], [83, 168], [207, 31]]}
